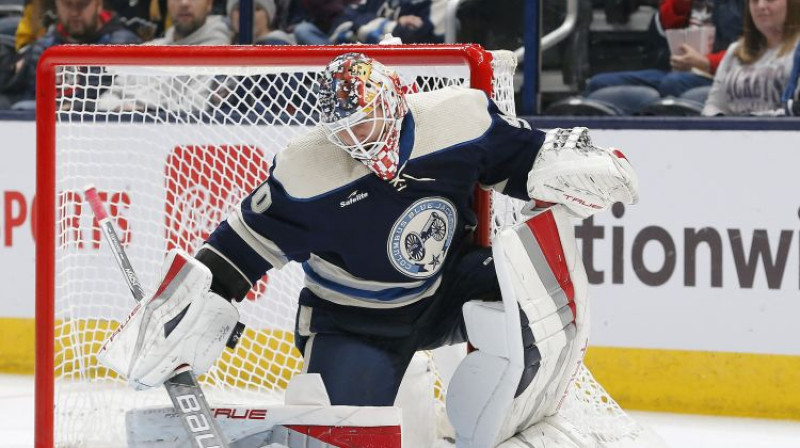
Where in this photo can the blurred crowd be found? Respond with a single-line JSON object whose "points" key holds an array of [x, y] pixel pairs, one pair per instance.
{"points": [[705, 57], [39, 24], [709, 57]]}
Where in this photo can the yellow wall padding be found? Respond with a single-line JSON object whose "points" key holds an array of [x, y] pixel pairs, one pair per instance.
{"points": [[697, 382]]}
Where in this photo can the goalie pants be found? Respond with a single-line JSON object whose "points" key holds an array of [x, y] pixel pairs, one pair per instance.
{"points": [[362, 353]]}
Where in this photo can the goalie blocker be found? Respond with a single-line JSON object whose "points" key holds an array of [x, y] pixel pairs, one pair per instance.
{"points": [[529, 347], [183, 323]]}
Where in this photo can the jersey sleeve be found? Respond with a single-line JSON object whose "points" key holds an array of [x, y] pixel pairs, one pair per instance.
{"points": [[510, 146], [266, 230]]}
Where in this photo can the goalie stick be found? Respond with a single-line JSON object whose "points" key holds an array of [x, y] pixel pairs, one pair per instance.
{"points": [[183, 390]]}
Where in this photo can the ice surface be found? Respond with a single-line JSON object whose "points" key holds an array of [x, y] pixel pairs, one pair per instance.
{"points": [[679, 430]]}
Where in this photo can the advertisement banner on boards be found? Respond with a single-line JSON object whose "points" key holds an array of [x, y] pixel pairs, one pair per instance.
{"points": [[17, 191], [710, 257], [708, 260]]}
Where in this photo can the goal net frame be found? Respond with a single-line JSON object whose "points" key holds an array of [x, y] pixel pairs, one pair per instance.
{"points": [[483, 74], [474, 57]]}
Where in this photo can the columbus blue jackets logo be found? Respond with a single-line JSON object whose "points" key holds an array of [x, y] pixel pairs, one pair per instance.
{"points": [[420, 239]]}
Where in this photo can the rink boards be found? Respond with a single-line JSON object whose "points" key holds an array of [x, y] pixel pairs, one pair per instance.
{"points": [[695, 289]]}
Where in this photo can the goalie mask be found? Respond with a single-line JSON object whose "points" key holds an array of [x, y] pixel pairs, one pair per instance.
{"points": [[363, 105]]}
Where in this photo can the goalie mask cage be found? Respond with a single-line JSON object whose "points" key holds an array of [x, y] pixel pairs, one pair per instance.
{"points": [[173, 137]]}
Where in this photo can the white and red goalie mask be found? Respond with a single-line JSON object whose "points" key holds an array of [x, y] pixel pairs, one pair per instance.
{"points": [[362, 105]]}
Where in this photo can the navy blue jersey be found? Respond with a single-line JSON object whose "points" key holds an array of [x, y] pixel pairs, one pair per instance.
{"points": [[373, 243]]}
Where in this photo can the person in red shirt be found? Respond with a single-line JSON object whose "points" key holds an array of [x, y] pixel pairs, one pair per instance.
{"points": [[684, 72]]}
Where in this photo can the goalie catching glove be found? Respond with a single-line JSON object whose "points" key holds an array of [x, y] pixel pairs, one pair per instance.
{"points": [[570, 170], [183, 323]]}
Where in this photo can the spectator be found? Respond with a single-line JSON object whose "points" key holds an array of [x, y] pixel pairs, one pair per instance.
{"points": [[368, 21], [79, 22], [264, 16], [265, 97], [755, 71], [687, 73], [192, 24], [141, 16], [268, 97], [36, 18], [316, 17]]}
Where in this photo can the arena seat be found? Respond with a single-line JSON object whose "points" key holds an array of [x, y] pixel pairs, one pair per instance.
{"points": [[676, 107], [583, 107]]}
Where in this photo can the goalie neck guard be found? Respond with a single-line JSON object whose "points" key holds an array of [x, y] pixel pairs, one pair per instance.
{"points": [[363, 105]]}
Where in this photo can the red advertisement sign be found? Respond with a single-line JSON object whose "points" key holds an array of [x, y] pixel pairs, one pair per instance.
{"points": [[204, 183]]}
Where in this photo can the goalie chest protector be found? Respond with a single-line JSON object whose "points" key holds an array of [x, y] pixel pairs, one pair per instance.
{"points": [[368, 242]]}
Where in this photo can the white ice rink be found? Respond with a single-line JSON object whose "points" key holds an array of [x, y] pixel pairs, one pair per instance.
{"points": [[680, 431]]}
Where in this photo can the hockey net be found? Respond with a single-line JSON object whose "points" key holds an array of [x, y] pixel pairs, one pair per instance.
{"points": [[173, 137]]}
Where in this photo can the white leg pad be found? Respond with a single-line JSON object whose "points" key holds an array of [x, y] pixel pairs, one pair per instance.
{"points": [[482, 389], [530, 345], [552, 432], [485, 321]]}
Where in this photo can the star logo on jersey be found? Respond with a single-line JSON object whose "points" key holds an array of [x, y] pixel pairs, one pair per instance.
{"points": [[421, 237]]}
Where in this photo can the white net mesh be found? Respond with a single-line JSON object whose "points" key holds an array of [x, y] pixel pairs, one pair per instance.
{"points": [[171, 149]]}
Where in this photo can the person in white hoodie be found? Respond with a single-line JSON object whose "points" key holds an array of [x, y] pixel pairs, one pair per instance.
{"points": [[192, 24], [265, 18]]}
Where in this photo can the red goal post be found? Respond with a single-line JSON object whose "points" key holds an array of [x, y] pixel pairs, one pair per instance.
{"points": [[80, 140]]}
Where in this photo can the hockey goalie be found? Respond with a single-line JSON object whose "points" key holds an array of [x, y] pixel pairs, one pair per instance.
{"points": [[376, 203]]}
